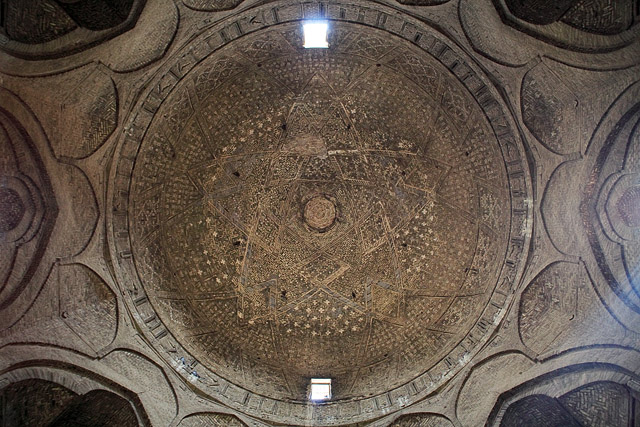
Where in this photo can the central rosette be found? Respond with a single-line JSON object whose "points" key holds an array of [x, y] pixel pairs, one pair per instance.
{"points": [[320, 213]]}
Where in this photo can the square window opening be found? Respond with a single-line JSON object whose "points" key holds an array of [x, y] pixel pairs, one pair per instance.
{"points": [[320, 389], [315, 34]]}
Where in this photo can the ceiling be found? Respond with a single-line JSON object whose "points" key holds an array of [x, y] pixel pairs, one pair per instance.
{"points": [[440, 212]]}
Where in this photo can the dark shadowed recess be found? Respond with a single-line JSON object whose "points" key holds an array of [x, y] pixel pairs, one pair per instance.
{"points": [[40, 403], [540, 12], [602, 403], [595, 16], [40, 21]]}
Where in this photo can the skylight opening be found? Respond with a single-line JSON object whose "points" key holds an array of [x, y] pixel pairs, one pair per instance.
{"points": [[315, 34], [320, 389]]}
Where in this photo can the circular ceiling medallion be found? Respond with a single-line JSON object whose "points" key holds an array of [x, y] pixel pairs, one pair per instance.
{"points": [[354, 213], [319, 213]]}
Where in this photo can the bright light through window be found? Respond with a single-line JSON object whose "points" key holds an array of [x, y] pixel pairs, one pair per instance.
{"points": [[320, 388], [315, 34]]}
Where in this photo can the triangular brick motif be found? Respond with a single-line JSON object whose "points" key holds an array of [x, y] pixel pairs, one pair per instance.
{"points": [[347, 249], [337, 130], [405, 206], [420, 71], [268, 47], [182, 192], [372, 230], [369, 46], [210, 178], [443, 143], [299, 123], [292, 75], [248, 170], [258, 300], [198, 150], [216, 71], [460, 190], [363, 201], [319, 169], [341, 77], [385, 301], [378, 265], [238, 207], [267, 229], [318, 99], [324, 269], [425, 174]]}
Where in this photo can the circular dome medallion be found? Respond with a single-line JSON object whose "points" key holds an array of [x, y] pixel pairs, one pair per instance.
{"points": [[357, 213], [319, 213]]}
